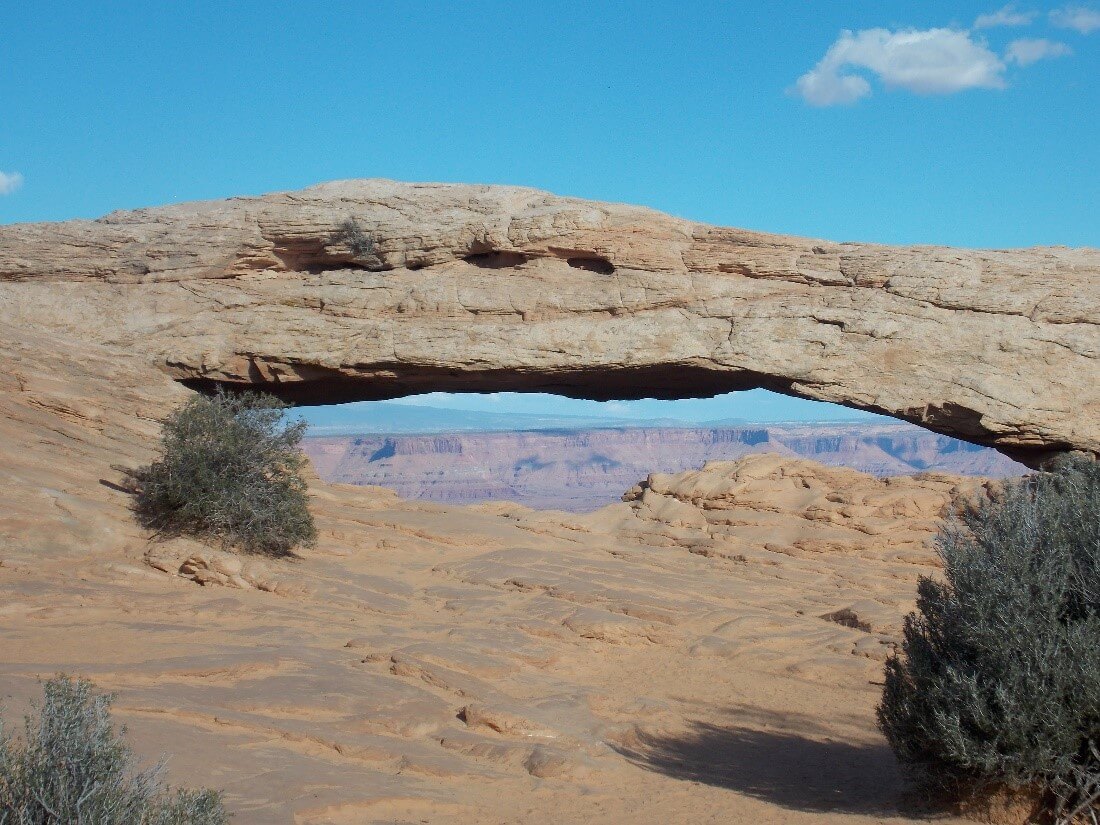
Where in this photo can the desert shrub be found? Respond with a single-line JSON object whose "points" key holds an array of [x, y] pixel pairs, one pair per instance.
{"points": [[230, 469], [999, 684], [352, 235], [71, 768]]}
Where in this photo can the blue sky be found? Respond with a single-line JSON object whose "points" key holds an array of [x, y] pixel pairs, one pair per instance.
{"points": [[965, 123]]}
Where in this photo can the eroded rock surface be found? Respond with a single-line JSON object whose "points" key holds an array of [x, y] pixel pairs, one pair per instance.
{"points": [[493, 288], [707, 651]]}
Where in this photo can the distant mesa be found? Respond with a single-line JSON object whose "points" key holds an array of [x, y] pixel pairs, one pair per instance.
{"points": [[583, 469]]}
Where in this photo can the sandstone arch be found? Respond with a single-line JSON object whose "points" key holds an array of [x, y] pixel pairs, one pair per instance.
{"points": [[497, 288]]}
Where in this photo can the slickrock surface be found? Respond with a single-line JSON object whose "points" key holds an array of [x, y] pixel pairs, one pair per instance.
{"points": [[707, 651], [582, 470], [704, 652], [487, 288]]}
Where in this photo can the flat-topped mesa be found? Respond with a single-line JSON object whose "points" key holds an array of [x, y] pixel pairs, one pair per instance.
{"points": [[376, 289]]}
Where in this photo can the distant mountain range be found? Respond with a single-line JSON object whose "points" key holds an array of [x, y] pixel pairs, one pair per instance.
{"points": [[551, 462]]}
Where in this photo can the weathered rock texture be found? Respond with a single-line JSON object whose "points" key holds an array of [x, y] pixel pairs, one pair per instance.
{"points": [[707, 652], [451, 287], [704, 651]]}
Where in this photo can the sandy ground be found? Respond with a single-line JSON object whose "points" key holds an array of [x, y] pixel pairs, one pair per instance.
{"points": [[710, 652]]}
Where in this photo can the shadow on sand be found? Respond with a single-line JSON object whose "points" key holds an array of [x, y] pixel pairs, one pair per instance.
{"points": [[783, 768]]}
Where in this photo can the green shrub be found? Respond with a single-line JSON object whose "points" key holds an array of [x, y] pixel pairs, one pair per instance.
{"points": [[352, 235], [71, 768], [999, 685], [230, 469]]}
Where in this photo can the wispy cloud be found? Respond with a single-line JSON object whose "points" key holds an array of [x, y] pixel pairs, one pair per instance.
{"points": [[1024, 51], [1004, 16], [9, 182], [1080, 18], [927, 62]]}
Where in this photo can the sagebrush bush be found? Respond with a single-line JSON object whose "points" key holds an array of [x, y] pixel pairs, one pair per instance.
{"points": [[352, 235], [71, 768], [230, 468], [999, 684]]}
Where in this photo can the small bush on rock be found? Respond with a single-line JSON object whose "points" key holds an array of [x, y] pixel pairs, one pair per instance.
{"points": [[999, 685], [71, 768], [352, 235], [230, 469]]}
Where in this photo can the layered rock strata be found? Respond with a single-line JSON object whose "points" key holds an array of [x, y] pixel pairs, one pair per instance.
{"points": [[375, 289], [585, 469]]}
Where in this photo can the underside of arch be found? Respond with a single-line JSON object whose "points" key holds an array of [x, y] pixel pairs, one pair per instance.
{"points": [[360, 290]]}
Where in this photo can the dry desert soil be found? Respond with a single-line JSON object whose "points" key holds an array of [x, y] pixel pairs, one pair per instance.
{"points": [[709, 651]]}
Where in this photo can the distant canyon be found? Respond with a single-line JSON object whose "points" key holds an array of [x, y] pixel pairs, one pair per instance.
{"points": [[584, 469]]}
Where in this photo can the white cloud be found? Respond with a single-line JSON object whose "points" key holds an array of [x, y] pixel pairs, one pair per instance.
{"points": [[1005, 16], [1081, 18], [9, 182], [827, 87], [1024, 52], [930, 61]]}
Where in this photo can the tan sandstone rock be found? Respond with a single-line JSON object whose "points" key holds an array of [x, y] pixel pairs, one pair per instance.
{"points": [[495, 288], [497, 664], [713, 652]]}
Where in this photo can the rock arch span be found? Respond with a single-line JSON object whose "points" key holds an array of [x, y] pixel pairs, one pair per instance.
{"points": [[375, 289]]}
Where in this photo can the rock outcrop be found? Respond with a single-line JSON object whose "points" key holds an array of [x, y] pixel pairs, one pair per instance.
{"points": [[495, 663], [708, 652], [374, 289]]}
